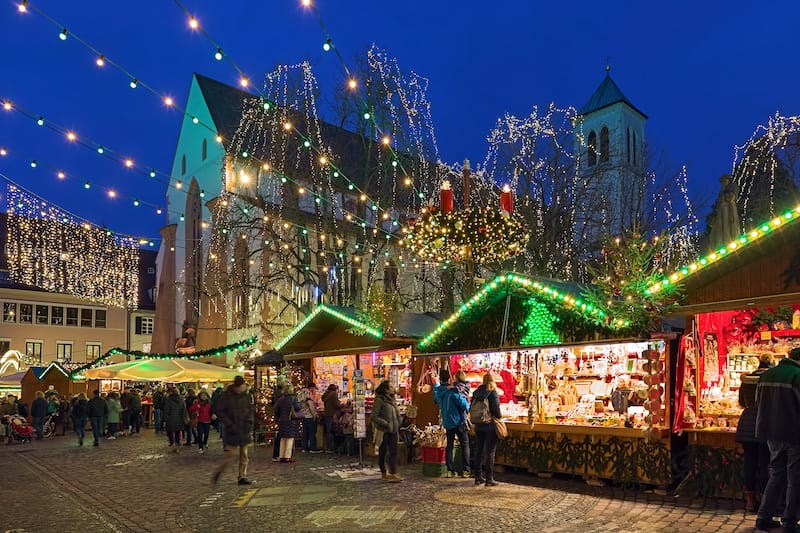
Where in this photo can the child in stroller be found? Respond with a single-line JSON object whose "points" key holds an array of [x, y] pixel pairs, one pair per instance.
{"points": [[17, 429]]}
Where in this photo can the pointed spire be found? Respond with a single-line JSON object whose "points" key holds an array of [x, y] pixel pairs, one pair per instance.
{"points": [[606, 94]]}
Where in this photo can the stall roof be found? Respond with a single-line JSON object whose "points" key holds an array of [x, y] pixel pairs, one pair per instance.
{"points": [[272, 357], [563, 294], [325, 329], [760, 266]]}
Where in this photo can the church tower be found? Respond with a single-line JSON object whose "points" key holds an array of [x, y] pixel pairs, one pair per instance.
{"points": [[610, 161]]}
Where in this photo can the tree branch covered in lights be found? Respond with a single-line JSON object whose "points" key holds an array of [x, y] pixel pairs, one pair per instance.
{"points": [[51, 249]]}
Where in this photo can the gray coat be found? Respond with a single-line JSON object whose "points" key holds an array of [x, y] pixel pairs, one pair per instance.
{"points": [[174, 412], [385, 414]]}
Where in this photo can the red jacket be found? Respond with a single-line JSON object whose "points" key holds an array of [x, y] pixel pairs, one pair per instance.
{"points": [[202, 409]]}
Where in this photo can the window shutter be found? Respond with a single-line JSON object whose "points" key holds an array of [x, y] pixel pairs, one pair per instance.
{"points": [[138, 325]]}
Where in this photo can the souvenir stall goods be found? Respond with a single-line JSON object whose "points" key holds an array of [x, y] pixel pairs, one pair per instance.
{"points": [[598, 410]]}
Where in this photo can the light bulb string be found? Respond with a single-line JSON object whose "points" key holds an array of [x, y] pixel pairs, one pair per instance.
{"points": [[62, 174], [305, 138], [79, 218], [161, 96], [365, 105]]}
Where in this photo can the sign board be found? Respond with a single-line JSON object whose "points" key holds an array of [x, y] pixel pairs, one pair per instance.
{"points": [[359, 395]]}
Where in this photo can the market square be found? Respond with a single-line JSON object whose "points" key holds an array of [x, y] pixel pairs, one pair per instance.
{"points": [[414, 267]]}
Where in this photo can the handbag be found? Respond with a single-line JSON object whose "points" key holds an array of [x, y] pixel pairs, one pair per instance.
{"points": [[500, 428]]}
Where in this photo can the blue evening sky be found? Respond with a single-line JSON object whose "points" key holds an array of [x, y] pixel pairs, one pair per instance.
{"points": [[706, 73]]}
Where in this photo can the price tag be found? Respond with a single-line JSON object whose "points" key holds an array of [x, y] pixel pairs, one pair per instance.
{"points": [[766, 335]]}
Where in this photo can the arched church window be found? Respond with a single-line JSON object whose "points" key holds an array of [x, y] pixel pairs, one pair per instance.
{"points": [[634, 147], [204, 150], [604, 145], [183, 165], [628, 139], [592, 148]]}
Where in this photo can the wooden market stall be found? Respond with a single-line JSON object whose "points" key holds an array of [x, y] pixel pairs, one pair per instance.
{"points": [[596, 408], [741, 300], [334, 347], [41, 378]]}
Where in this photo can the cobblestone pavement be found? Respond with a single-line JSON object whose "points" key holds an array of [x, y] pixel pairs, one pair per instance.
{"points": [[136, 484]]}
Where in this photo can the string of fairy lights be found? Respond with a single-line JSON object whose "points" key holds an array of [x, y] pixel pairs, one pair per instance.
{"points": [[50, 248]]}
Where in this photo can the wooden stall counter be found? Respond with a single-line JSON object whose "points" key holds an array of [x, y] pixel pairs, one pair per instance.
{"points": [[619, 454]]}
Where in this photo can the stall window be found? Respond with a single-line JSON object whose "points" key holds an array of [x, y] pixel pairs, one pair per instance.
{"points": [[86, 318], [26, 313], [57, 316], [42, 314], [72, 316], [100, 318], [64, 351], [33, 349], [92, 351], [9, 312]]}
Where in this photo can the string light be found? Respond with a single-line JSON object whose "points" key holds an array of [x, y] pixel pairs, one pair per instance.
{"points": [[134, 83], [193, 23], [40, 121], [63, 34], [35, 225], [218, 54], [100, 61], [22, 7]]}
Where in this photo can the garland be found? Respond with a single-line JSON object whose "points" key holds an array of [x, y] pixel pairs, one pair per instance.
{"points": [[138, 354], [491, 235]]}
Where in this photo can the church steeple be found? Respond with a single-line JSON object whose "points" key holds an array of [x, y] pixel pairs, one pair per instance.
{"points": [[607, 94]]}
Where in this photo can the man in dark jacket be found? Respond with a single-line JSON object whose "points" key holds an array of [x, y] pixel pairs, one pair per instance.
{"points": [[39, 412], [98, 410], [158, 407], [778, 404], [235, 411]]}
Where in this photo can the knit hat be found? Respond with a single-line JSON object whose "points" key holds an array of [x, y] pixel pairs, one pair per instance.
{"points": [[238, 381]]}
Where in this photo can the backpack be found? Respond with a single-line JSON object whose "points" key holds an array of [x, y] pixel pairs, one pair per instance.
{"points": [[479, 412]]}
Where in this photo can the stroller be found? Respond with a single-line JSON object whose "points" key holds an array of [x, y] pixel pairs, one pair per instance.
{"points": [[17, 429]]}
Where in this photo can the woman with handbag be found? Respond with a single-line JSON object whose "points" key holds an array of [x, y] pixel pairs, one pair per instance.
{"points": [[386, 417], [288, 413], [485, 407]]}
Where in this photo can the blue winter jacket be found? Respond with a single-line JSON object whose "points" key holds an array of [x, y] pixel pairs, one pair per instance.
{"points": [[452, 404]]}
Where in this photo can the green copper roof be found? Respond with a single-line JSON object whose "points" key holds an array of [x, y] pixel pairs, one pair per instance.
{"points": [[607, 93]]}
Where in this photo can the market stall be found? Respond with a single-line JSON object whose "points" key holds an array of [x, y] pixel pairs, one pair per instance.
{"points": [[588, 407], [741, 300], [165, 370]]}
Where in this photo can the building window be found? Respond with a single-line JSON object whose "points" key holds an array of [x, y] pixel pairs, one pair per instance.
{"points": [[42, 314], [204, 150], [604, 147], [5, 345], [92, 351], [634, 147], [86, 318], [33, 349], [144, 325], [57, 316], [26, 313], [183, 165], [64, 351], [100, 318], [9, 312], [592, 148], [72, 316], [628, 139]]}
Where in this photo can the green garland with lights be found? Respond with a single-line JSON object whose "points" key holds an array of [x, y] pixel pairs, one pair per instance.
{"points": [[491, 235], [366, 328], [213, 352], [590, 312]]}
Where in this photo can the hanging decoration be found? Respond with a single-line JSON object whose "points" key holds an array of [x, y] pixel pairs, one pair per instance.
{"points": [[538, 325], [137, 354], [52, 249], [492, 235]]}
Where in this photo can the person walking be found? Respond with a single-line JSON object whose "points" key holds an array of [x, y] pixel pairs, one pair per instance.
{"points": [[175, 416], [201, 411], [484, 407], [308, 404], [80, 412], [386, 417], [756, 452], [125, 400], [114, 412], [135, 406], [453, 406], [190, 429], [277, 392], [330, 401], [235, 410], [158, 407], [39, 413], [98, 410], [777, 404], [287, 413], [214, 419]]}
